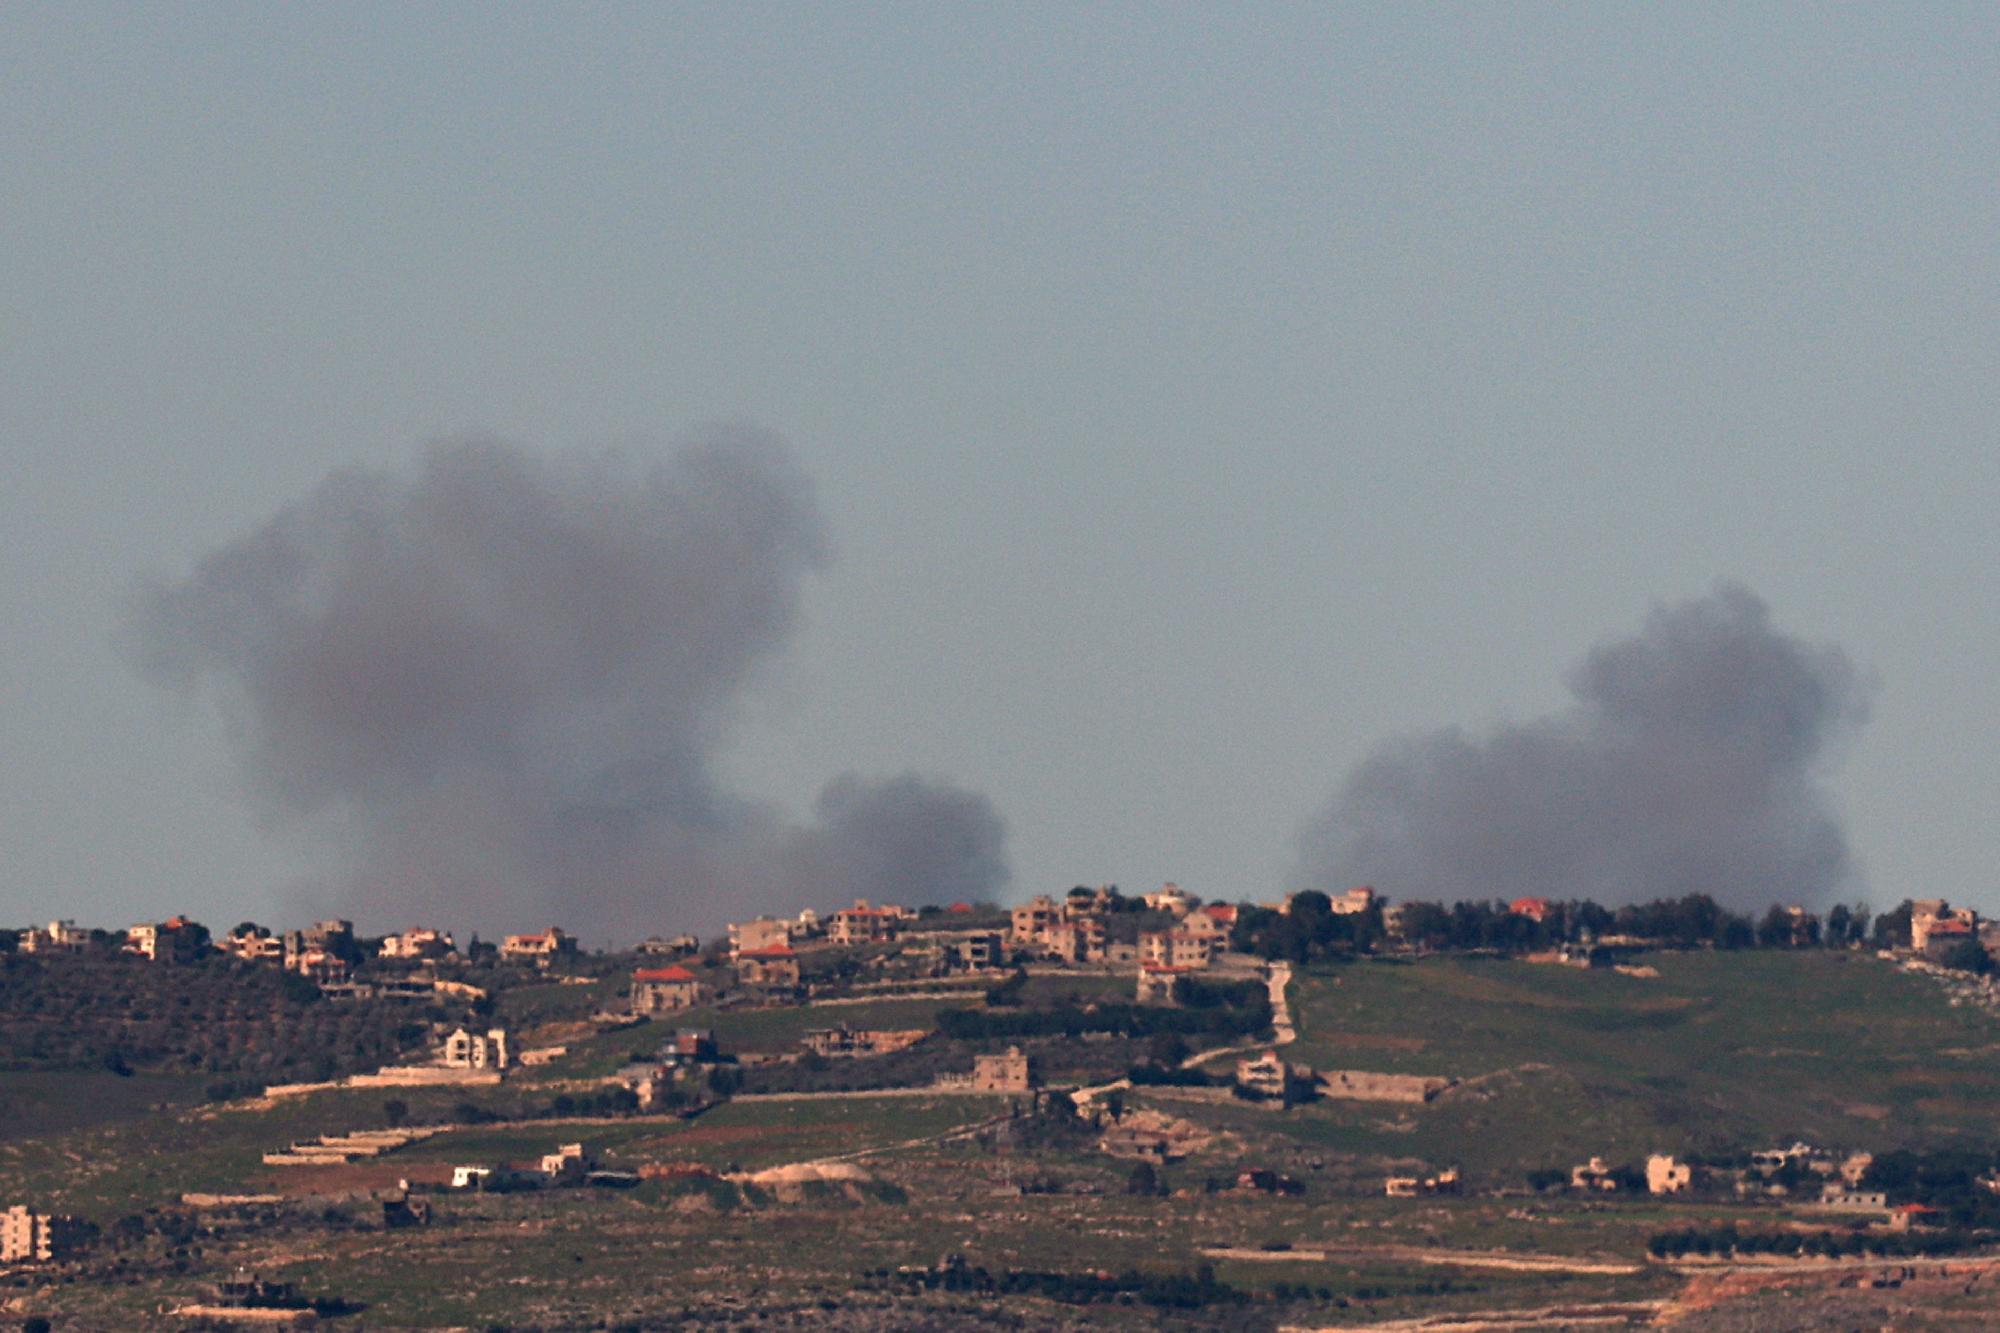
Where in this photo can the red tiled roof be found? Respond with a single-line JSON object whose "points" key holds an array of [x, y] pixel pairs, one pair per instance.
{"points": [[771, 951], [675, 973], [959, 907]]}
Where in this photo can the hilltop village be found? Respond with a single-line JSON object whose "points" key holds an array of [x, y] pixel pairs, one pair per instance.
{"points": [[1291, 1055]]}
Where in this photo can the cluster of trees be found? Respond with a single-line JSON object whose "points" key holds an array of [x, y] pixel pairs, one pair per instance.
{"points": [[1206, 1009], [1951, 1180], [1627, 1177], [215, 1016], [1172, 1291], [1312, 930], [1726, 1240]]}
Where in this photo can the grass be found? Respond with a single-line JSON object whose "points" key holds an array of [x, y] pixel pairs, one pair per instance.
{"points": [[1720, 1051], [36, 1102]]}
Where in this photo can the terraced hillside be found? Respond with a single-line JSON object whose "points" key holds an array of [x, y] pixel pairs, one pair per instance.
{"points": [[1718, 1051]]}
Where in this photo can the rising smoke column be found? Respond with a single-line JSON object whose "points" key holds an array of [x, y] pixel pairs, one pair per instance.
{"points": [[500, 679], [1689, 763]]}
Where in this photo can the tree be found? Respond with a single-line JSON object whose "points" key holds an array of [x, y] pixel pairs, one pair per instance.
{"points": [[395, 1111], [1143, 1180], [1966, 956], [1426, 924], [1892, 928]]}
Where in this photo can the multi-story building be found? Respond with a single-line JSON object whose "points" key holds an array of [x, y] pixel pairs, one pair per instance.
{"points": [[29, 1237], [979, 953], [540, 948], [57, 937], [254, 946], [1032, 921], [1177, 949], [1353, 902], [469, 1050], [763, 933], [659, 990], [863, 924], [177, 940], [326, 939], [1079, 940], [1930, 916], [772, 968], [1170, 898], [417, 942]]}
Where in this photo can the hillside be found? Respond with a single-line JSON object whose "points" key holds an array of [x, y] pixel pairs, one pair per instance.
{"points": [[1719, 1052]]}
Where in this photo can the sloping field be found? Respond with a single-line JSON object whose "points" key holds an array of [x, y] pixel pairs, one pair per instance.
{"points": [[1720, 1051]]}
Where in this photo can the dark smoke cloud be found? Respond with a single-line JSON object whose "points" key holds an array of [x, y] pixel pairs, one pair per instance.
{"points": [[1688, 764], [500, 680]]}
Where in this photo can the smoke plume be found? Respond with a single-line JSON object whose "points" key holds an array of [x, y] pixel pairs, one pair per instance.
{"points": [[499, 681], [1689, 763]]}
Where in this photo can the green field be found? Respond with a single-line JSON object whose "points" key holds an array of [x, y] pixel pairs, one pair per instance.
{"points": [[1721, 1051], [49, 1101]]}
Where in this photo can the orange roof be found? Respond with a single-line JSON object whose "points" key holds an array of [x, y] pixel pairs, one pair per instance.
{"points": [[959, 907], [1221, 911], [676, 973], [1952, 926], [770, 951]]}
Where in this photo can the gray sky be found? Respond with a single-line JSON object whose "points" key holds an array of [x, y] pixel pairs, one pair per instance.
{"points": [[1195, 400]]}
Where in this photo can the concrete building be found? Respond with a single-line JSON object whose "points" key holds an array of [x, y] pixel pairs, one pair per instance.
{"points": [[1353, 902], [1156, 982], [1169, 898], [417, 942], [772, 968], [1011, 1072], [1844, 1199], [57, 937], [1596, 1174], [1177, 948], [469, 1050], [842, 1040], [661, 990], [566, 1164], [982, 952], [29, 1237], [1665, 1175], [863, 924], [175, 940], [1412, 1187], [1078, 940], [1031, 921], [1269, 1076], [541, 948], [763, 933]]}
